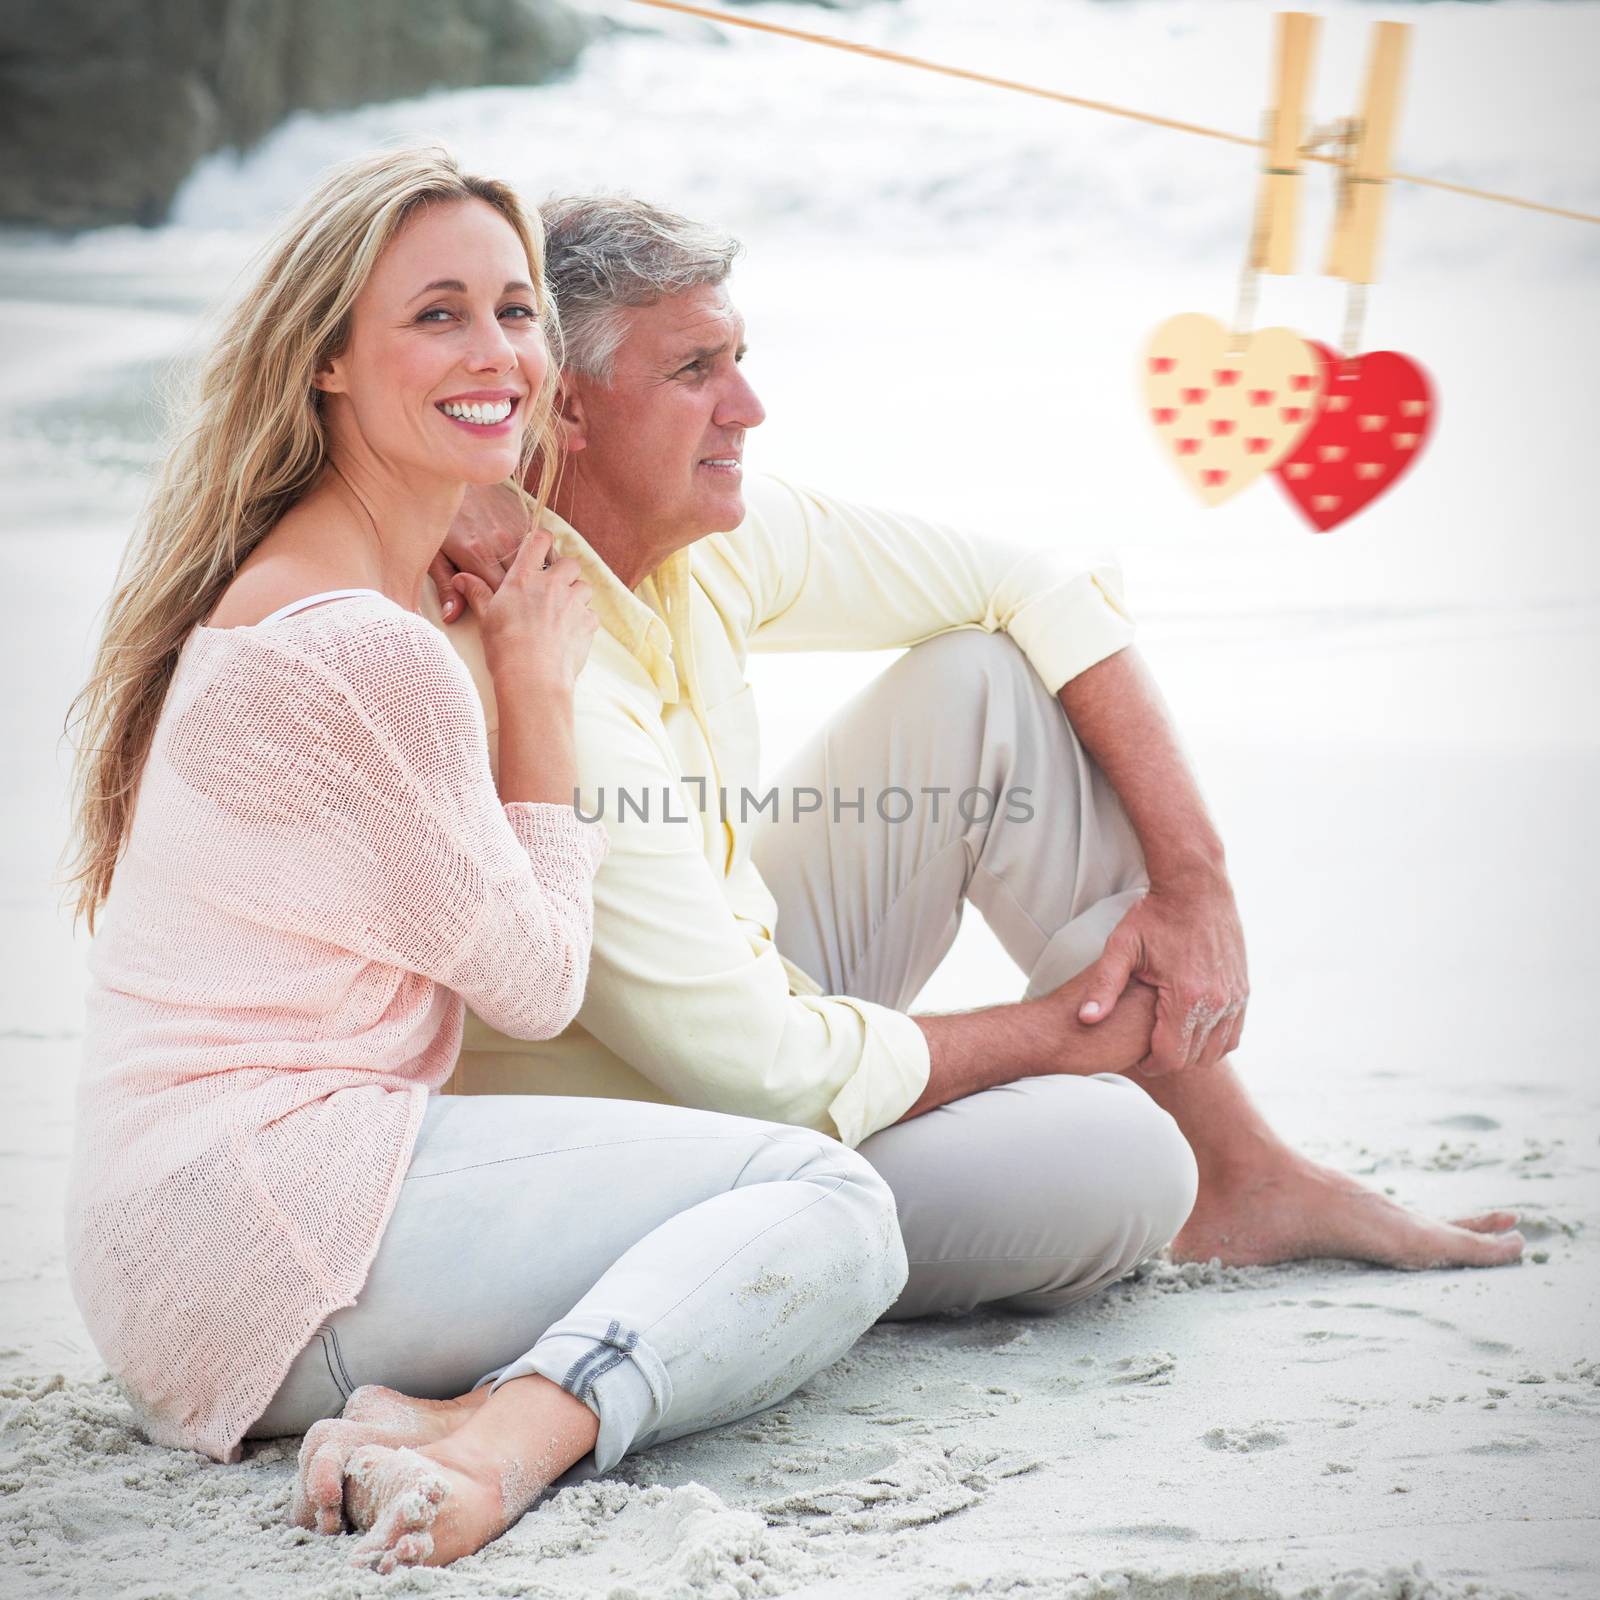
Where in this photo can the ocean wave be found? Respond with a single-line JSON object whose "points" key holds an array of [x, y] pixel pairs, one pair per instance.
{"points": [[786, 142]]}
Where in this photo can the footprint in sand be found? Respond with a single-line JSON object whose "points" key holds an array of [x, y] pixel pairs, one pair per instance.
{"points": [[1546, 1225], [1521, 1446], [1467, 1122], [1166, 1532], [1243, 1441], [1153, 1369], [926, 1484]]}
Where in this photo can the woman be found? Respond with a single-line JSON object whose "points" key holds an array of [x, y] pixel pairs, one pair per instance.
{"points": [[302, 868]]}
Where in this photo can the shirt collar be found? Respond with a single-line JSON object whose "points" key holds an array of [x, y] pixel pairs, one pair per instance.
{"points": [[641, 621]]}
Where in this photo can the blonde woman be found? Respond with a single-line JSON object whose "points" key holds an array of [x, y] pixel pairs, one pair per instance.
{"points": [[301, 868]]}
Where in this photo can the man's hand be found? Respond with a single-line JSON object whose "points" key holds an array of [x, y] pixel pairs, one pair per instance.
{"points": [[1185, 942], [483, 541]]}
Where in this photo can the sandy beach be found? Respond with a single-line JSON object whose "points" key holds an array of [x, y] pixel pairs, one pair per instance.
{"points": [[1397, 727]]}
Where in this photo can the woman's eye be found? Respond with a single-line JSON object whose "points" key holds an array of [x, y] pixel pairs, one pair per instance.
{"points": [[432, 312], [522, 313]]}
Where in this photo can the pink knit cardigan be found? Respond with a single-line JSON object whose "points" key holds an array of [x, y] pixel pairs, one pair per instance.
{"points": [[318, 871]]}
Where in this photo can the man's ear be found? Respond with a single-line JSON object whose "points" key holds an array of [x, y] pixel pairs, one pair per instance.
{"points": [[571, 416]]}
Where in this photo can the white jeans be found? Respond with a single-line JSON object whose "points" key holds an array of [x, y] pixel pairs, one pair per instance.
{"points": [[1038, 1193], [673, 1269]]}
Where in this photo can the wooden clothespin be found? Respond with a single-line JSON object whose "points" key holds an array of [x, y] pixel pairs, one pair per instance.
{"points": [[1272, 245], [1353, 255]]}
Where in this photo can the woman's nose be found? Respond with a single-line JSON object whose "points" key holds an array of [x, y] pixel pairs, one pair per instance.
{"points": [[491, 350]]}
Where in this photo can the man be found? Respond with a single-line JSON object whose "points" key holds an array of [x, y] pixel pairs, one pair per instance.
{"points": [[759, 955]]}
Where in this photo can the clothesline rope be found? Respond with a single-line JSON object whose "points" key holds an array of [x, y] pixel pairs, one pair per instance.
{"points": [[944, 69]]}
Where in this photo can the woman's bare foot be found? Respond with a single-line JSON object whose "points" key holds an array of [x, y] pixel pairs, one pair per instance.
{"points": [[372, 1415], [1288, 1208], [431, 1505], [427, 1507]]}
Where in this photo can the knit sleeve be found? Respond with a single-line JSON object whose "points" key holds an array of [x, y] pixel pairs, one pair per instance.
{"points": [[340, 788]]}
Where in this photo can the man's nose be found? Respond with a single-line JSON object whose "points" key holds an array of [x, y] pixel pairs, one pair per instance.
{"points": [[741, 406]]}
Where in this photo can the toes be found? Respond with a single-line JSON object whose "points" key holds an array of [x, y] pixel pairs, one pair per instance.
{"points": [[365, 1400], [319, 1480], [1489, 1222], [399, 1535], [1469, 1248], [388, 1492], [324, 1488], [359, 1489], [409, 1550], [387, 1408]]}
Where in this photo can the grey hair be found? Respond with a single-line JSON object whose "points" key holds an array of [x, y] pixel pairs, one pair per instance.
{"points": [[606, 252]]}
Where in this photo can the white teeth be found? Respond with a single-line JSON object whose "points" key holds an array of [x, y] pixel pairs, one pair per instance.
{"points": [[487, 412]]}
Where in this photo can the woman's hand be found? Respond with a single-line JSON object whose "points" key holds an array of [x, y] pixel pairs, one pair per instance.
{"points": [[537, 626], [483, 541]]}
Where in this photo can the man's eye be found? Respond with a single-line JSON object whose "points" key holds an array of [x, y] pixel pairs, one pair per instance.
{"points": [[694, 366]]}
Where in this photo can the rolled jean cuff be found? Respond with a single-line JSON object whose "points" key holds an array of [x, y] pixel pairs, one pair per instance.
{"points": [[608, 1367]]}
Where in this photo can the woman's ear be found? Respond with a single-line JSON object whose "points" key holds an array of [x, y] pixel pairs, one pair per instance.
{"points": [[571, 418], [328, 377]]}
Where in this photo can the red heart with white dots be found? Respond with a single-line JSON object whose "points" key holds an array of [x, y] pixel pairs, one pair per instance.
{"points": [[1377, 411]]}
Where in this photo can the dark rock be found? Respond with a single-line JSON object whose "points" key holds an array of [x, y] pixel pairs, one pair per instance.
{"points": [[106, 105]]}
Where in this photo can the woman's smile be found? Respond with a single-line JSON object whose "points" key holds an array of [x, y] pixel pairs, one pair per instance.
{"points": [[483, 411]]}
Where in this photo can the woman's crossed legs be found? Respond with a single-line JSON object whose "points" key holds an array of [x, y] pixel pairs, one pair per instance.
{"points": [[568, 1275]]}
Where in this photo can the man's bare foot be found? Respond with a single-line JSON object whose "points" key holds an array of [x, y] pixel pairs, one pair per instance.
{"points": [[1288, 1208], [372, 1415]]}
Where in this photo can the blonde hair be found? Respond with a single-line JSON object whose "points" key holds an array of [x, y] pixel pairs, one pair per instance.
{"points": [[251, 444]]}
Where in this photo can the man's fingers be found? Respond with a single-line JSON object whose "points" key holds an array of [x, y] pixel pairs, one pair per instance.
{"points": [[1169, 1050], [534, 553], [1198, 1020], [442, 569], [1205, 1048], [474, 591], [1224, 1037], [1207, 1022], [1234, 1034], [1108, 977]]}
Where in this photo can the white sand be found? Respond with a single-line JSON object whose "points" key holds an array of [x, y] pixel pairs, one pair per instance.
{"points": [[1396, 726]]}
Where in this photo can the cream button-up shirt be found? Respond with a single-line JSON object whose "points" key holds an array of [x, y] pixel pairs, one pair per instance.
{"points": [[690, 999]]}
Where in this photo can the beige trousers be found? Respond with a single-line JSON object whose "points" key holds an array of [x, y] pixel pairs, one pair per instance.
{"points": [[1042, 1191]]}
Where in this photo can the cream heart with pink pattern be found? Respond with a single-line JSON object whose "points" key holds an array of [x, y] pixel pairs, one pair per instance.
{"points": [[1225, 415]]}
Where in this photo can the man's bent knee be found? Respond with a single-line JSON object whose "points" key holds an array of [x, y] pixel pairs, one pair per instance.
{"points": [[1034, 1194], [1142, 1208]]}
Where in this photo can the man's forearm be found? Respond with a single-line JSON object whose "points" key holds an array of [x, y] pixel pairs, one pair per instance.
{"points": [[969, 1051], [1119, 715]]}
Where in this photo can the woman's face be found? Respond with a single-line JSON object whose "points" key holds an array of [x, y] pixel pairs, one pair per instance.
{"points": [[445, 353]]}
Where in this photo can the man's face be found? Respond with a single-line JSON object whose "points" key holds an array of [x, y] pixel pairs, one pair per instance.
{"points": [[663, 443]]}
